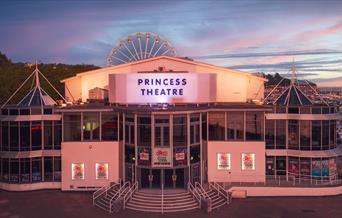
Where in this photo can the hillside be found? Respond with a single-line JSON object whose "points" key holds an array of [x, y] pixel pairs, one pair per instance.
{"points": [[12, 75]]}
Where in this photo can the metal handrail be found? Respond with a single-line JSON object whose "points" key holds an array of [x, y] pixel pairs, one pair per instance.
{"points": [[129, 194], [103, 190], [118, 194], [220, 190], [204, 193], [162, 204], [194, 193]]}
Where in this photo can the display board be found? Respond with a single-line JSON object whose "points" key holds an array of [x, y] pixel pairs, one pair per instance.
{"points": [[162, 88]]}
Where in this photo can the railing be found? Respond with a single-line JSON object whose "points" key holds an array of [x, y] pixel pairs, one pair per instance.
{"points": [[195, 194], [122, 190], [291, 180], [202, 191], [162, 200], [104, 190], [220, 190], [129, 194]]}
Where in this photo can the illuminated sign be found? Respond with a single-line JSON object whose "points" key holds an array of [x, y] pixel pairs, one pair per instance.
{"points": [[162, 88], [223, 161], [101, 170], [77, 170], [248, 161], [161, 157]]}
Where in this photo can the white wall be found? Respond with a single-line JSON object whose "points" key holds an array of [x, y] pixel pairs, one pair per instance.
{"points": [[236, 174], [30, 186], [89, 153]]}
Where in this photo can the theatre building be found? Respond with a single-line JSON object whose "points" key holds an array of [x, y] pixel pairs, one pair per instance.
{"points": [[165, 121]]}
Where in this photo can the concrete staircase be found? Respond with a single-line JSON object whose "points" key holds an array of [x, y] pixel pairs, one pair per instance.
{"points": [[153, 202]]}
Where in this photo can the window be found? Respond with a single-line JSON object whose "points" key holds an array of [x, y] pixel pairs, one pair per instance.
{"points": [[77, 170], [101, 170], [91, 126], [180, 130], [305, 135], [293, 110], [194, 130], [180, 156], [36, 169], [14, 136], [294, 166], [36, 135], [14, 171], [270, 169], [162, 132], [332, 134], [57, 134], [195, 154], [223, 161], [325, 134], [25, 169], [293, 134], [254, 126], [204, 126], [25, 136], [48, 134], [144, 131], [72, 127], [129, 131], [217, 126], [109, 127], [57, 168], [316, 168], [48, 169], [305, 166], [269, 134], [130, 154], [280, 134], [235, 121], [281, 166], [5, 136], [316, 135], [5, 169]]}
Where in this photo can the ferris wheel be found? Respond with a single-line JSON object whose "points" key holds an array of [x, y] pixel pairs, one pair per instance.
{"points": [[139, 46]]}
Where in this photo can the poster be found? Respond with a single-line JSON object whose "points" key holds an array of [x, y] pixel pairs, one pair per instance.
{"points": [[316, 167], [144, 154], [101, 170], [223, 161], [161, 157], [180, 156], [248, 161], [305, 166], [332, 167], [325, 167], [294, 166], [77, 170]]}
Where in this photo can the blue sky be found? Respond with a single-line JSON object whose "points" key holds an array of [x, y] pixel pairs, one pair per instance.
{"points": [[250, 35]]}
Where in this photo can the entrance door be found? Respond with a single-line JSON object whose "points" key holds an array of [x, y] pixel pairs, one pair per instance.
{"points": [[144, 178], [156, 178], [168, 183], [180, 178]]}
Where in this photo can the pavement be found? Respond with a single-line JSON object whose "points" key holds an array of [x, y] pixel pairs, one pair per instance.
{"points": [[58, 204]]}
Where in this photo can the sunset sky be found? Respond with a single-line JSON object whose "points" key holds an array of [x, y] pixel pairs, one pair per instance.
{"points": [[249, 35]]}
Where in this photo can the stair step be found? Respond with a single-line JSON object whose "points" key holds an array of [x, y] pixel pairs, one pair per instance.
{"points": [[158, 204], [184, 200], [164, 210], [147, 207]]}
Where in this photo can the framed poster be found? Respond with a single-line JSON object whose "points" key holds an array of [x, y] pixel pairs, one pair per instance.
{"points": [[248, 161], [77, 170], [161, 157], [223, 161], [101, 170]]}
